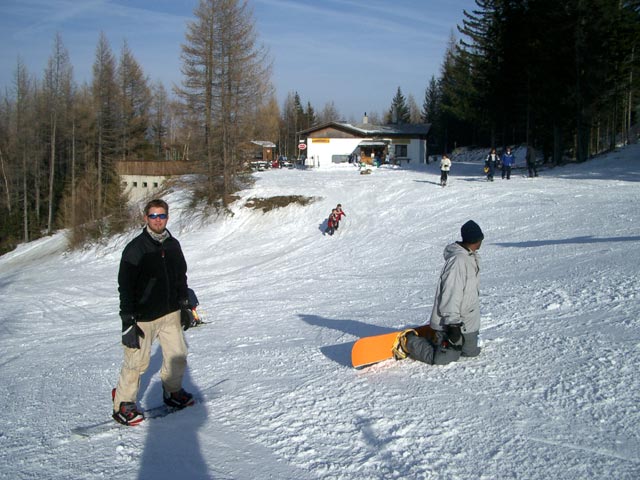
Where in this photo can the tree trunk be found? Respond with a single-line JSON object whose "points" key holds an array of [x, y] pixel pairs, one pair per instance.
{"points": [[52, 171], [25, 201], [73, 174], [630, 99], [36, 188], [557, 145], [99, 187], [6, 182]]}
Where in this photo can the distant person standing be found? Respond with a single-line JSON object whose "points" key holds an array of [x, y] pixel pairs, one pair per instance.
{"points": [[154, 304], [445, 167], [508, 161], [531, 161], [490, 164]]}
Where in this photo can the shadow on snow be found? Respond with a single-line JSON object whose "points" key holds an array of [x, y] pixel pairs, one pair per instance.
{"points": [[341, 353], [171, 447], [566, 241]]}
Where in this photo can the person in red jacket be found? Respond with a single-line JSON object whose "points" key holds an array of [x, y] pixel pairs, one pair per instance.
{"points": [[332, 222], [339, 214]]}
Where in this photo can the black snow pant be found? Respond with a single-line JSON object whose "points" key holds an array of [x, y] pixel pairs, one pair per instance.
{"points": [[492, 168], [423, 350]]}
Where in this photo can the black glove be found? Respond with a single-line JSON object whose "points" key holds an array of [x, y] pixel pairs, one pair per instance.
{"points": [[186, 315], [455, 339], [131, 332]]}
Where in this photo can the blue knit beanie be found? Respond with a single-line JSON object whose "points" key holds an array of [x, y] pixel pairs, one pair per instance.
{"points": [[471, 232]]}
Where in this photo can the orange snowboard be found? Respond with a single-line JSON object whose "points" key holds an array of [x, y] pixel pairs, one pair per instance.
{"points": [[370, 350]]}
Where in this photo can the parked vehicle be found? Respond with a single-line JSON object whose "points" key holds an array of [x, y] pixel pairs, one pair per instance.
{"points": [[259, 165]]}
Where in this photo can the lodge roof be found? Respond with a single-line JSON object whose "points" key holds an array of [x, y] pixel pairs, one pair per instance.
{"points": [[415, 130], [156, 168], [264, 143]]}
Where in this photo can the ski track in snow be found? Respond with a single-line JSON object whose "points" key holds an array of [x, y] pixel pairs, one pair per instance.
{"points": [[554, 393]]}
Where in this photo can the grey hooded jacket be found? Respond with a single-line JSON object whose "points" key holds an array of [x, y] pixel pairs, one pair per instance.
{"points": [[457, 295]]}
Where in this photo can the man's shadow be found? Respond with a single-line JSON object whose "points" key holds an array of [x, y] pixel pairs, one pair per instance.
{"points": [[341, 353], [567, 241], [429, 181], [171, 448]]}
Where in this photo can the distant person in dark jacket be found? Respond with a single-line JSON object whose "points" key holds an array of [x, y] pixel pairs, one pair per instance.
{"points": [[508, 161], [490, 164]]}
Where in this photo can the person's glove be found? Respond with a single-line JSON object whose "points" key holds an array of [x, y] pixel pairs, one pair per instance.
{"points": [[455, 340], [131, 332], [186, 315]]}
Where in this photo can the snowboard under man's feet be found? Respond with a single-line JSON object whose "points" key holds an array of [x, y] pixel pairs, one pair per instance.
{"points": [[129, 415]]}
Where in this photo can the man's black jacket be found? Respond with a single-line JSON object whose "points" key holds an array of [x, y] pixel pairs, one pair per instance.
{"points": [[152, 277]]}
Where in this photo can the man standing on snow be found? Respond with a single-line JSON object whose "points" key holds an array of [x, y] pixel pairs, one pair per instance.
{"points": [[152, 282], [455, 318], [490, 164], [445, 167], [508, 160]]}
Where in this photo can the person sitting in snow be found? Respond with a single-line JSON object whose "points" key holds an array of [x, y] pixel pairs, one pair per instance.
{"points": [[193, 304], [339, 214], [332, 221], [445, 167], [455, 317]]}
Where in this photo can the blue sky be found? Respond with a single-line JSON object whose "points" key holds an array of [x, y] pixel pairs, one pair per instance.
{"points": [[355, 53]]}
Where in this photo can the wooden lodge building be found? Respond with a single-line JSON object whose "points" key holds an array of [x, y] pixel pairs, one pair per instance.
{"points": [[335, 143]]}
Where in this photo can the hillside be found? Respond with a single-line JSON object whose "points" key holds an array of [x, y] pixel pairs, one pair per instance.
{"points": [[554, 394]]}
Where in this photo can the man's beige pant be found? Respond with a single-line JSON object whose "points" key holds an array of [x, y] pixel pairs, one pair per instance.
{"points": [[168, 331]]}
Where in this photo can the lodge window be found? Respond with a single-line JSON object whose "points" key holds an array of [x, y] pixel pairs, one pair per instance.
{"points": [[401, 150]]}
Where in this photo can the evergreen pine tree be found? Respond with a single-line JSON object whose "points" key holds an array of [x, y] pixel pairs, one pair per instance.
{"points": [[399, 111]]}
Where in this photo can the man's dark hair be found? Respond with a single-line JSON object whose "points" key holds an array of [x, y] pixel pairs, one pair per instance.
{"points": [[156, 203]]}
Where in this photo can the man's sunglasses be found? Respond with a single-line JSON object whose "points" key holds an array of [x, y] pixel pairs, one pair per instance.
{"points": [[161, 216]]}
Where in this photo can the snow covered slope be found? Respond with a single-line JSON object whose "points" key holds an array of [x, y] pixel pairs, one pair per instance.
{"points": [[554, 394]]}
